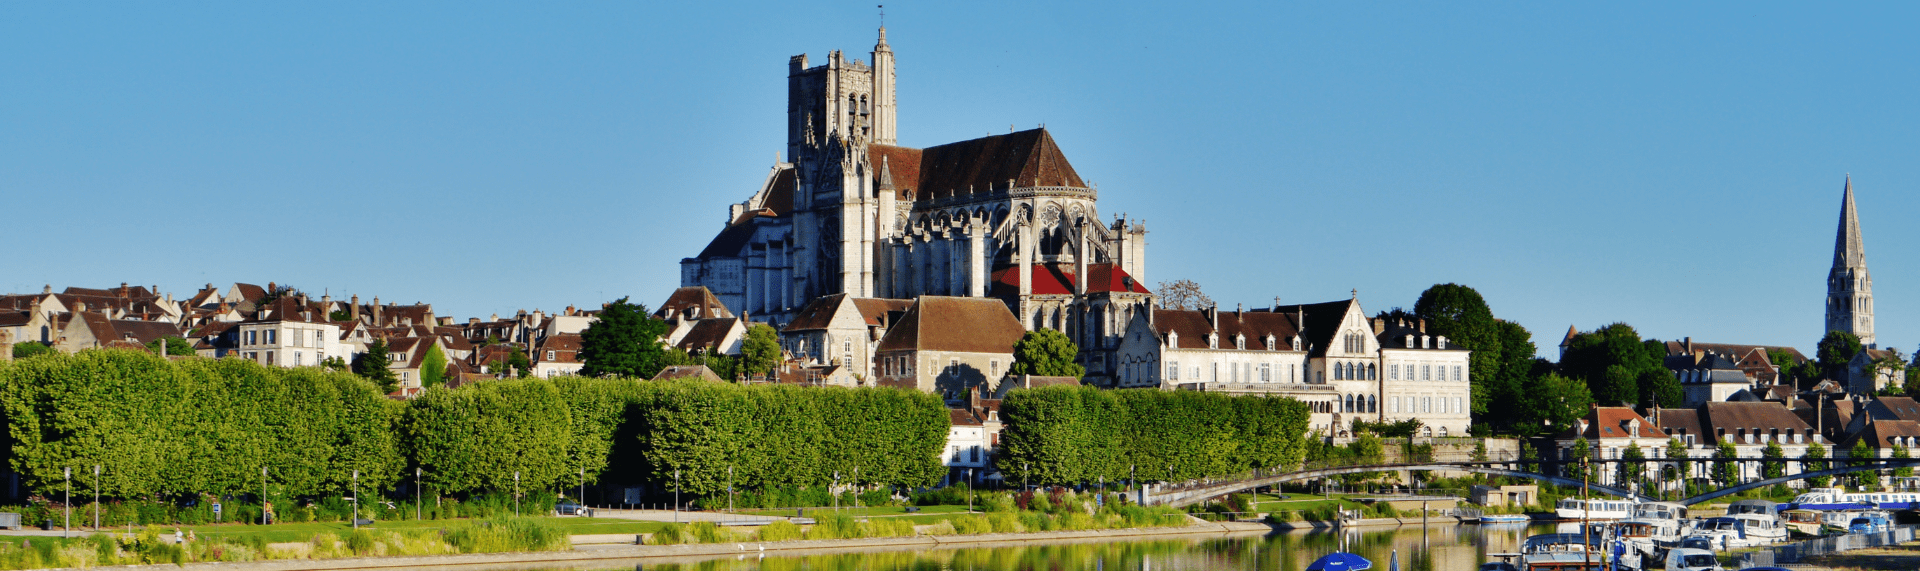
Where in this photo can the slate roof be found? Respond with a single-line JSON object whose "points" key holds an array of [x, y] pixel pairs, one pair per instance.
{"points": [[1029, 158], [958, 324], [1894, 408], [1680, 348]]}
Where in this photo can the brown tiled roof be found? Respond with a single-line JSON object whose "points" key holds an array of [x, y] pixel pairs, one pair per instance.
{"points": [[687, 372], [565, 347], [1193, 328], [692, 296], [708, 333], [1734, 349], [250, 292], [1882, 434], [1322, 322], [962, 417], [816, 314], [1029, 158], [780, 197], [1898, 408], [15, 318], [1680, 421], [959, 324], [1761, 416], [875, 310]]}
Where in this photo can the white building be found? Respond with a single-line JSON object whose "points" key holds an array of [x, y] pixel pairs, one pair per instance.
{"points": [[289, 335]]}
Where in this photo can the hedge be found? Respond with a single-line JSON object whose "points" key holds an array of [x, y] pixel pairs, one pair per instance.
{"points": [[1078, 434], [167, 429]]}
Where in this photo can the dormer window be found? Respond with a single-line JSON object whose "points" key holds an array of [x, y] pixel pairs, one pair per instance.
{"points": [[1410, 341], [1173, 339], [1270, 345], [1213, 341], [1240, 342], [1296, 342]]}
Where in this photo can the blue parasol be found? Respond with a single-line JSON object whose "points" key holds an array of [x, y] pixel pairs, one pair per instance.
{"points": [[1340, 561]]}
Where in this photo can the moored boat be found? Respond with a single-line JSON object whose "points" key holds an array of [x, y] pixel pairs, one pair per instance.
{"points": [[1593, 509]]}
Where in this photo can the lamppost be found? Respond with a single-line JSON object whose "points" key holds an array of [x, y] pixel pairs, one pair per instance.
{"points": [[96, 497], [418, 492], [579, 510], [676, 496], [835, 492], [356, 499], [67, 529], [516, 493], [969, 490], [729, 489], [263, 495]]}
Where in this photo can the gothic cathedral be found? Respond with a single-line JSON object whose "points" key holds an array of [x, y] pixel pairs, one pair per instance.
{"points": [[852, 212]]}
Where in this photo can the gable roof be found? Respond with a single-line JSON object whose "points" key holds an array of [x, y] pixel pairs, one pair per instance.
{"points": [[1614, 421], [1886, 434], [1763, 417], [1677, 422], [875, 309], [691, 297], [1735, 349], [1320, 322], [959, 324], [1894, 408], [817, 314], [1028, 158], [709, 333], [688, 372]]}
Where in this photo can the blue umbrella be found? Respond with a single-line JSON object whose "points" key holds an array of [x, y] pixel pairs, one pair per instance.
{"points": [[1340, 561]]}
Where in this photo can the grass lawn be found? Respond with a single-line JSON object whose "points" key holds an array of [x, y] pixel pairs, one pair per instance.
{"points": [[290, 532], [864, 511]]}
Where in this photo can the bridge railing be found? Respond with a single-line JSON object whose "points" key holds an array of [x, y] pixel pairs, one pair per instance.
{"points": [[1802, 550]]}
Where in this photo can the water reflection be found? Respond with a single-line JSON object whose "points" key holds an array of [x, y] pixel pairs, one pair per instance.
{"points": [[1430, 548]]}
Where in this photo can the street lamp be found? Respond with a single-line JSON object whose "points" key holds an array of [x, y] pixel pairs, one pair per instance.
{"points": [[583, 492], [67, 529], [676, 496], [516, 493], [356, 499], [417, 493], [263, 496], [96, 497], [969, 490], [729, 489]]}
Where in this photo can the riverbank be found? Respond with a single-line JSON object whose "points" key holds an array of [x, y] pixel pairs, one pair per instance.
{"points": [[593, 548]]}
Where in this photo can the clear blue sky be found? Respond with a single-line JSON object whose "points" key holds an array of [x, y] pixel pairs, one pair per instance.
{"points": [[1677, 168]]}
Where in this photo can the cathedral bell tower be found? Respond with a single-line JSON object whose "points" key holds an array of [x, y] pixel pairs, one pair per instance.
{"points": [[1849, 287]]}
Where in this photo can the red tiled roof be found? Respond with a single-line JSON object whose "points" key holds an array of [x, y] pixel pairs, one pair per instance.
{"points": [[1058, 279], [1612, 422]]}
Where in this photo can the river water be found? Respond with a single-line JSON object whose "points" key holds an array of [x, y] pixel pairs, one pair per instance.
{"points": [[1431, 548]]}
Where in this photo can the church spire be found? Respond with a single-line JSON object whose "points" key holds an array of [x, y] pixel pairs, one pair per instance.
{"points": [[886, 175], [1848, 250], [1849, 285]]}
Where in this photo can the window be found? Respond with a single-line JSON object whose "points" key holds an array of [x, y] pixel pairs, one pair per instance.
{"points": [[1233, 373], [1393, 372], [270, 336], [953, 367], [1426, 404], [1349, 406], [1173, 370], [253, 337], [1266, 373], [995, 368], [1456, 372], [550, 355], [269, 357], [1216, 373], [1456, 406], [1373, 404], [1426, 372], [296, 358], [319, 339]]}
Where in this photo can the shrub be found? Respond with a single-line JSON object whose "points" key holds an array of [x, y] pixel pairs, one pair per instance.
{"points": [[360, 542], [779, 530], [834, 526], [671, 534]]}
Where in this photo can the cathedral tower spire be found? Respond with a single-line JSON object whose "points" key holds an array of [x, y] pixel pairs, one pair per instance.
{"points": [[1849, 286], [883, 99]]}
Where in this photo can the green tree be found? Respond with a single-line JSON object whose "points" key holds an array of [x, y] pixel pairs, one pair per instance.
{"points": [[433, 368], [1631, 466], [1047, 353], [336, 363], [1858, 456], [1773, 463], [1462, 315], [31, 348], [1836, 349], [1515, 376], [625, 342], [1528, 453], [1677, 453], [1783, 359], [1901, 453], [1615, 363], [760, 352], [1582, 458], [1553, 405], [1726, 472], [175, 346], [339, 315], [373, 366], [1815, 460]]}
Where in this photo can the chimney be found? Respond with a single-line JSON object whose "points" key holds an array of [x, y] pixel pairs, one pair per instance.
{"points": [[46, 289], [376, 312], [1213, 316], [79, 307], [1423, 325], [1379, 326], [571, 311], [353, 307], [473, 321], [1688, 344]]}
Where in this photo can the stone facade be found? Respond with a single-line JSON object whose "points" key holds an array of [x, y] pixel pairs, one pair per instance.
{"points": [[1849, 286], [851, 212]]}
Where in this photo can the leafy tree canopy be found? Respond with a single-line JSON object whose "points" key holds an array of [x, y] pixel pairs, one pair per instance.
{"points": [[624, 342], [175, 346], [31, 348], [1554, 404], [1461, 314], [1046, 353], [433, 371], [760, 352], [1615, 363], [373, 366], [1836, 349]]}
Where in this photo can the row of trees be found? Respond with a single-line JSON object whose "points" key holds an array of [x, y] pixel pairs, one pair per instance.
{"points": [[1726, 468], [1078, 434], [166, 428], [626, 342]]}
